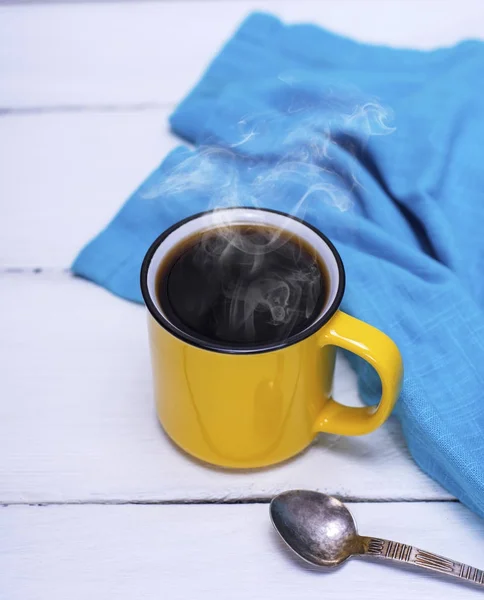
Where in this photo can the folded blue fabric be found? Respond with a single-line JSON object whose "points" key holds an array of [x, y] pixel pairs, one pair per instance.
{"points": [[381, 149]]}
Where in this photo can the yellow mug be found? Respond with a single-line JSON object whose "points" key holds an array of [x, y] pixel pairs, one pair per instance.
{"points": [[244, 408]]}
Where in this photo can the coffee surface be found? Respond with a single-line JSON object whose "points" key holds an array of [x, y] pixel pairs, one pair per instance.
{"points": [[242, 285]]}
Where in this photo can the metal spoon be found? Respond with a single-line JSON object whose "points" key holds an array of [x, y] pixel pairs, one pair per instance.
{"points": [[322, 531]]}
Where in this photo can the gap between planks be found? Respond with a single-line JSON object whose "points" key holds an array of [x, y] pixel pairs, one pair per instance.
{"points": [[17, 3], [12, 111], [34, 271], [222, 501]]}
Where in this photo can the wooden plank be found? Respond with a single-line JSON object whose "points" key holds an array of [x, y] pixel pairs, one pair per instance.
{"points": [[79, 423], [63, 177], [155, 52], [229, 551]]}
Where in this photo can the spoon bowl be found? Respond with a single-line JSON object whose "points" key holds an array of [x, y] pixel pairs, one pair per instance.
{"points": [[319, 528]]}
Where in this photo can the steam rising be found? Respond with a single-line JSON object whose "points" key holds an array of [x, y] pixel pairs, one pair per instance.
{"points": [[270, 283], [300, 153]]}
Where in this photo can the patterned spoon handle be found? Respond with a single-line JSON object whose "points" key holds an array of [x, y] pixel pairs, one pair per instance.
{"points": [[402, 553]]}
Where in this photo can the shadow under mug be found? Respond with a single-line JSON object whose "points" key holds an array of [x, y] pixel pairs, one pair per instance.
{"points": [[244, 408]]}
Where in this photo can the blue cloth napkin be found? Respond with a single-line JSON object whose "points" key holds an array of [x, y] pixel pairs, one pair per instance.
{"points": [[380, 148]]}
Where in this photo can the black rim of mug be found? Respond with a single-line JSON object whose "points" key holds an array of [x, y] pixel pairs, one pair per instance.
{"points": [[213, 346]]}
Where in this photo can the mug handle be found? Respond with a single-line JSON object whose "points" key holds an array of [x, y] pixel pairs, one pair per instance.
{"points": [[382, 353]]}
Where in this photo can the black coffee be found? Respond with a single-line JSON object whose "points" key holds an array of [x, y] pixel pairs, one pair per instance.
{"points": [[242, 285]]}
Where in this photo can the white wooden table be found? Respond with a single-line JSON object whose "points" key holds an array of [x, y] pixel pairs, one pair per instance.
{"points": [[96, 502]]}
